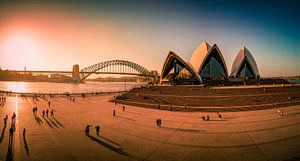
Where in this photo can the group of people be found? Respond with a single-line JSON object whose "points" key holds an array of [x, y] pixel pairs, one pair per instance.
{"points": [[34, 110], [158, 122], [34, 98], [47, 112], [2, 100], [207, 117], [280, 111], [114, 111], [97, 127], [12, 128], [13, 120], [87, 129], [72, 99]]}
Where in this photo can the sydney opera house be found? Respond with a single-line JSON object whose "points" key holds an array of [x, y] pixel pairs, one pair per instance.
{"points": [[207, 65]]}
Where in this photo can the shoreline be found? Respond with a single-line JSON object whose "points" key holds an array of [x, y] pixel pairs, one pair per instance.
{"points": [[59, 94]]}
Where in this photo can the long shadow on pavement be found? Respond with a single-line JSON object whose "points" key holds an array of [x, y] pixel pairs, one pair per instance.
{"points": [[53, 123], [9, 155], [48, 122], [179, 129], [53, 117], [37, 119], [134, 113], [125, 118], [104, 138], [25, 145], [2, 134], [108, 146]]}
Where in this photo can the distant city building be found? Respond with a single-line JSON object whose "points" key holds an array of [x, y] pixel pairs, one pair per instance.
{"points": [[207, 64]]}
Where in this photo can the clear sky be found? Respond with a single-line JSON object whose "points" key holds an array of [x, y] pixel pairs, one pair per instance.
{"points": [[55, 35]]}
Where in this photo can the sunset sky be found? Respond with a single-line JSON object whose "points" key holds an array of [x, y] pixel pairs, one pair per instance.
{"points": [[56, 35]]}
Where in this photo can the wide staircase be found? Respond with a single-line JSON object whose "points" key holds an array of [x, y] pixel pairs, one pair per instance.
{"points": [[191, 98]]}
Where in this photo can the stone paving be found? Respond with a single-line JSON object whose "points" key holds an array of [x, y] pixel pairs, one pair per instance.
{"points": [[133, 135]]}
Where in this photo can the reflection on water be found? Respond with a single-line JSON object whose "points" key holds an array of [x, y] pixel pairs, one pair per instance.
{"points": [[47, 87], [19, 86]]}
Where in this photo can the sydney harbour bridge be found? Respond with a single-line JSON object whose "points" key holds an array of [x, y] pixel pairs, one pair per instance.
{"points": [[121, 67]]}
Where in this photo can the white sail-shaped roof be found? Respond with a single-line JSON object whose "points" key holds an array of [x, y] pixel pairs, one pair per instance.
{"points": [[244, 55], [167, 67], [199, 55]]}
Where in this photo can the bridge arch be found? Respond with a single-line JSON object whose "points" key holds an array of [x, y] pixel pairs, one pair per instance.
{"points": [[86, 72]]}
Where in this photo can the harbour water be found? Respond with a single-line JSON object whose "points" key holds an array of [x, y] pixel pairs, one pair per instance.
{"points": [[295, 81], [57, 88]]}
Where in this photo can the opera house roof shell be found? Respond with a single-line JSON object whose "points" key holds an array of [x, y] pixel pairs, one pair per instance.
{"points": [[244, 58], [169, 65], [206, 63]]}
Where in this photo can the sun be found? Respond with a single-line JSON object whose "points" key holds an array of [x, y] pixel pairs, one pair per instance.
{"points": [[19, 50]]}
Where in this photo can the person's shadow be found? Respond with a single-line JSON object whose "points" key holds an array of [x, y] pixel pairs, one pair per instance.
{"points": [[108, 146], [25, 145], [53, 117], [37, 119], [2, 134], [9, 155], [49, 124]]}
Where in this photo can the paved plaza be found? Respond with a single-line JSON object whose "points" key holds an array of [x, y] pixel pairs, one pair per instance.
{"points": [[133, 134]]}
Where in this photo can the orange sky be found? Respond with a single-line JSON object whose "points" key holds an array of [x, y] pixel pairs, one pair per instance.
{"points": [[33, 40], [55, 37]]}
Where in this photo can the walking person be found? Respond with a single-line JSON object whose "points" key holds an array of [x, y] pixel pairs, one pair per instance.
{"points": [[11, 130], [24, 132], [13, 117], [123, 108], [5, 119], [49, 103], [114, 112], [87, 129], [47, 112], [158, 122], [220, 116], [207, 118], [97, 130], [43, 113]]}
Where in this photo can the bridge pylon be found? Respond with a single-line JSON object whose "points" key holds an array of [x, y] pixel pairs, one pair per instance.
{"points": [[75, 74], [155, 77]]}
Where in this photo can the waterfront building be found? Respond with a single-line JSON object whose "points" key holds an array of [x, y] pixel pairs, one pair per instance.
{"points": [[207, 65], [244, 65]]}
